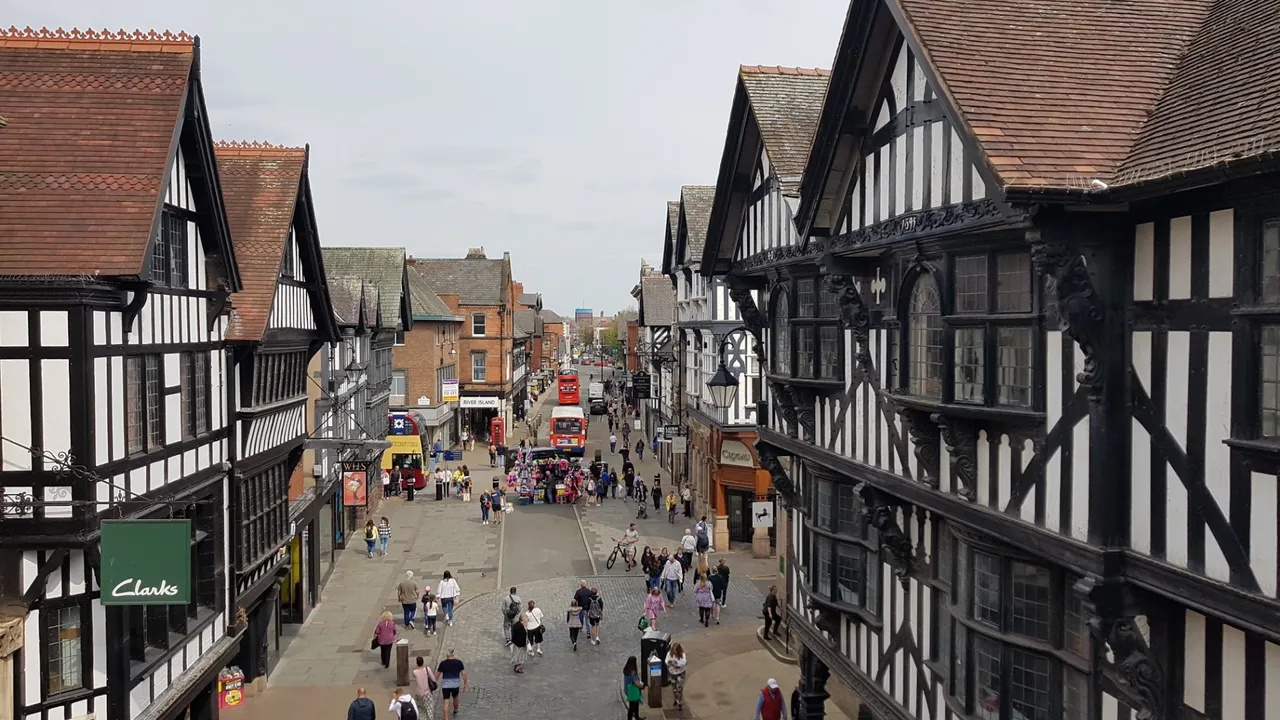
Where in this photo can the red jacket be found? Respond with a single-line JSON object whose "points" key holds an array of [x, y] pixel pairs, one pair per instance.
{"points": [[770, 703]]}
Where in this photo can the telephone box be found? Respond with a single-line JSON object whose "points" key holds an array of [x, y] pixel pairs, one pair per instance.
{"points": [[496, 431]]}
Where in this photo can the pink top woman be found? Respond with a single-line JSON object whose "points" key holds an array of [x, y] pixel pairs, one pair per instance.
{"points": [[653, 605]]}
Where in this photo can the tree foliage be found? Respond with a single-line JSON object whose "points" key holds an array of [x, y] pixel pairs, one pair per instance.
{"points": [[609, 338]]}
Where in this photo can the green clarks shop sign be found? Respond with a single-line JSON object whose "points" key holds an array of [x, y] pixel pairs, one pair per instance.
{"points": [[146, 562]]}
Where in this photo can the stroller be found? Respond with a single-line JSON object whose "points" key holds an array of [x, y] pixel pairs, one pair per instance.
{"points": [[642, 511]]}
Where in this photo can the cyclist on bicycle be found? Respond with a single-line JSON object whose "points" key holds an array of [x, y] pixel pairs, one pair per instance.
{"points": [[628, 542]]}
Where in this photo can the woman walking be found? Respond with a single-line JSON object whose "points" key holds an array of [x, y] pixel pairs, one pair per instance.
{"points": [[430, 610], [672, 576], [595, 615], [631, 679], [640, 449], [371, 536], [676, 661], [702, 596], [574, 621], [423, 681], [384, 636], [653, 607], [448, 592], [384, 534], [533, 625], [484, 508], [519, 645]]}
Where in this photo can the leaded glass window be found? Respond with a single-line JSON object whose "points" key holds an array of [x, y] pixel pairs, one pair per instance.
{"points": [[971, 284], [1270, 385], [969, 364], [1270, 290], [1013, 368], [781, 357], [926, 339], [1013, 283]]}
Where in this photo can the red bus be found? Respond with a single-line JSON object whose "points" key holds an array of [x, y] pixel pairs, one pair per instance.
{"points": [[567, 388], [569, 430]]}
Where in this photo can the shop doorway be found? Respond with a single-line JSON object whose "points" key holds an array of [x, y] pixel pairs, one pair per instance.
{"points": [[739, 507]]}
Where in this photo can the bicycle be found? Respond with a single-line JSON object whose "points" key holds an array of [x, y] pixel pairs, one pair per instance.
{"points": [[628, 554]]}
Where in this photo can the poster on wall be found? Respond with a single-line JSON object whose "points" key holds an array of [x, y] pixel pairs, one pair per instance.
{"points": [[355, 492], [449, 391]]}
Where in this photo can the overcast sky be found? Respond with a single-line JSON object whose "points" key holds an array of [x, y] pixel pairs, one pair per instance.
{"points": [[553, 129]]}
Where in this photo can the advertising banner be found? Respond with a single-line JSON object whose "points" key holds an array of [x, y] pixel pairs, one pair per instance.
{"points": [[146, 562], [355, 489], [449, 393]]}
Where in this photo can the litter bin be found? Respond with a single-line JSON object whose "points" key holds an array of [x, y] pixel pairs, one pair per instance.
{"points": [[656, 642], [497, 482]]}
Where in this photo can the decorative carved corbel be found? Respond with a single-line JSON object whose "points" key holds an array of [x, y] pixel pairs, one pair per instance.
{"points": [[925, 439], [853, 313], [781, 481], [752, 318], [1117, 620], [961, 438], [804, 399], [881, 512], [825, 619], [1079, 309], [786, 404]]}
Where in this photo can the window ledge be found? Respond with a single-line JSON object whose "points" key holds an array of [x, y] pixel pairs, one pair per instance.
{"points": [[1260, 445], [865, 616], [813, 383], [972, 412]]}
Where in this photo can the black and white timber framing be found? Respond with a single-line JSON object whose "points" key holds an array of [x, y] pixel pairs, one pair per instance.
{"points": [[1032, 470], [271, 363], [122, 387]]}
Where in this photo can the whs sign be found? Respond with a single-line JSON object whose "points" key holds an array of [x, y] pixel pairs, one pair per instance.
{"points": [[146, 562]]}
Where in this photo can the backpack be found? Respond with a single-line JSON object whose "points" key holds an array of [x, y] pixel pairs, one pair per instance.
{"points": [[408, 711], [595, 611], [513, 609], [370, 534]]}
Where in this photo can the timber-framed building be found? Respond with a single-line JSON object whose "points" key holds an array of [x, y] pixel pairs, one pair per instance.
{"points": [[117, 271], [1032, 466], [280, 320]]}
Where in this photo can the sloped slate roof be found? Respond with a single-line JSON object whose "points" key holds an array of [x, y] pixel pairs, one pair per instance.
{"points": [[550, 317], [526, 323], [476, 281], [787, 103], [1058, 92], [1223, 102], [84, 157], [528, 299], [658, 299], [382, 268], [260, 189], [346, 295], [696, 201], [673, 217], [424, 300]]}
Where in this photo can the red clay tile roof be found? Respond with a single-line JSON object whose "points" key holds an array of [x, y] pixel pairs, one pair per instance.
{"points": [[82, 162], [1056, 91], [787, 102], [260, 188], [1224, 101]]}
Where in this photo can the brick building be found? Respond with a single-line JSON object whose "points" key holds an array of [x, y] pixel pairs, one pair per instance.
{"points": [[481, 292], [554, 332], [424, 359]]}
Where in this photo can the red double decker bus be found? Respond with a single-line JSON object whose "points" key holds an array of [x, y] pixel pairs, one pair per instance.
{"points": [[567, 389]]}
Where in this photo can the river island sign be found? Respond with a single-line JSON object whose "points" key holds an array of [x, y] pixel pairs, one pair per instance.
{"points": [[146, 562]]}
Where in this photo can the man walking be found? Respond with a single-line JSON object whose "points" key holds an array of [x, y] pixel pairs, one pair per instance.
{"points": [[362, 707], [613, 444], [771, 706], [510, 613], [453, 680], [407, 594], [772, 617]]}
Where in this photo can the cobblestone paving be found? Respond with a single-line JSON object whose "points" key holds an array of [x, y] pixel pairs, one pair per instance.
{"points": [[592, 676]]}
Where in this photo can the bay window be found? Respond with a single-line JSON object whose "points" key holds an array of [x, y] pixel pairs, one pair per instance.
{"points": [[808, 336], [842, 553]]}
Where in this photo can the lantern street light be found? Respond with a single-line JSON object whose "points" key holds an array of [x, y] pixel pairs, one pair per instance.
{"points": [[723, 386]]}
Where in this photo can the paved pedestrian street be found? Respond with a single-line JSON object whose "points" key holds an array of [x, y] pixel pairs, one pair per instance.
{"points": [[544, 551]]}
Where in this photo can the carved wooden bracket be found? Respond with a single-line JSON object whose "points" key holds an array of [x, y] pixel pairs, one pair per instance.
{"points": [[1117, 620], [786, 401], [853, 311], [752, 318], [804, 401], [781, 481], [961, 438], [825, 619], [925, 438], [880, 511], [1080, 313]]}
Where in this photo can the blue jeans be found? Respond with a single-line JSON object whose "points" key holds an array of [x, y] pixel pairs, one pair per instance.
{"points": [[447, 605], [653, 583], [671, 590], [371, 545], [384, 541], [410, 612]]}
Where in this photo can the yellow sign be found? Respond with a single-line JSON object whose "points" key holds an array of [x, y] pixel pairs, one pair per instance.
{"points": [[401, 445]]}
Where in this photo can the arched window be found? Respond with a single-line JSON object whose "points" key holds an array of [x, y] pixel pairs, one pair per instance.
{"points": [[781, 355], [925, 339]]}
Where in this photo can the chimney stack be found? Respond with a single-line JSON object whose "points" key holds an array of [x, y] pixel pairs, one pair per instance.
{"points": [[476, 254]]}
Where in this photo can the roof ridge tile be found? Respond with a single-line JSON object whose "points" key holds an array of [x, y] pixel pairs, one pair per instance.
{"points": [[89, 39], [783, 70], [254, 147]]}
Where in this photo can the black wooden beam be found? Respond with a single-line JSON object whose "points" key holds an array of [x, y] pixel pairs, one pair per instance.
{"points": [[51, 563]]}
